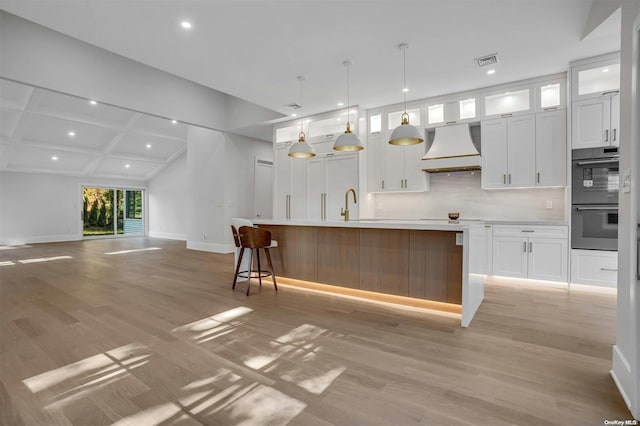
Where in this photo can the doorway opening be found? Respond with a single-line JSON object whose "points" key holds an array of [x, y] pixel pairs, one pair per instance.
{"points": [[110, 212]]}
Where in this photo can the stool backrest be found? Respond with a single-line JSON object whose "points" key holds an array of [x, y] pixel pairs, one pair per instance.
{"points": [[253, 238], [236, 224], [236, 236]]}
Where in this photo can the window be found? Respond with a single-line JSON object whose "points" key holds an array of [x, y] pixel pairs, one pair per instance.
{"points": [[134, 205]]}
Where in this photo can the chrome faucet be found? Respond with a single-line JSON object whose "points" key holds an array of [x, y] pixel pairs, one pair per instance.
{"points": [[345, 212]]}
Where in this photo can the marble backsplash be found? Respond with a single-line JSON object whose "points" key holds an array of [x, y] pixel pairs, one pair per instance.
{"points": [[461, 192]]}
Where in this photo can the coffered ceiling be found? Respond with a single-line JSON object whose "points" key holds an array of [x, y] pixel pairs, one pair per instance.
{"points": [[44, 131]]}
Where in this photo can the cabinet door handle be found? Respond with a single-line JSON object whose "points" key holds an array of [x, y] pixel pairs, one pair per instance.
{"points": [[383, 184], [321, 206], [538, 177], [506, 115], [530, 247], [614, 135], [451, 122], [609, 269], [524, 248], [550, 108], [406, 184], [611, 92], [509, 178], [325, 206], [504, 179], [606, 135], [528, 230]]}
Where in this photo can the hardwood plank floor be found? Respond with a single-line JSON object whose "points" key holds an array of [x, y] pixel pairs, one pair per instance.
{"points": [[158, 337]]}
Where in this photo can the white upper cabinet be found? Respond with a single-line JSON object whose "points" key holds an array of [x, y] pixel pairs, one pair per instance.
{"points": [[451, 112], [524, 151], [596, 122], [551, 148], [287, 133], [596, 78], [394, 119], [317, 128], [508, 152], [551, 95], [507, 103]]}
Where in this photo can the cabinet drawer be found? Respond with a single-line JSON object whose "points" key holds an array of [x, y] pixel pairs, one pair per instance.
{"points": [[559, 231], [594, 267]]}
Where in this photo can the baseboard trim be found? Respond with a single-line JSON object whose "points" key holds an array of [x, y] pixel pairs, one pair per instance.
{"points": [[168, 236], [621, 375], [211, 247], [12, 241]]}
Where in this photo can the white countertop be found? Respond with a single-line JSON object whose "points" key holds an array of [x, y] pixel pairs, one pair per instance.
{"points": [[422, 225], [418, 224]]}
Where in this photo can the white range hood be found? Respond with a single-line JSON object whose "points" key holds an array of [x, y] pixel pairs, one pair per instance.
{"points": [[452, 151]]}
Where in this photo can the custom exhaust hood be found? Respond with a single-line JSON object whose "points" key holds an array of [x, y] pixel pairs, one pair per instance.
{"points": [[452, 150]]}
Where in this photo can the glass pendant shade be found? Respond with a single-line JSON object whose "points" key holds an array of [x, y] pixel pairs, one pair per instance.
{"points": [[405, 133], [301, 149], [348, 141]]}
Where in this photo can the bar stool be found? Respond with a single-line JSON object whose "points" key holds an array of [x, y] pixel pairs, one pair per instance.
{"points": [[238, 222], [248, 237]]}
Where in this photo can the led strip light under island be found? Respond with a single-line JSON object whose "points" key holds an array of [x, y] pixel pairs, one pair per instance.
{"points": [[431, 264]]}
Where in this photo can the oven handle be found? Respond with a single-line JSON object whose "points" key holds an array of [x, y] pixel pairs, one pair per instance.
{"points": [[596, 208], [608, 160]]}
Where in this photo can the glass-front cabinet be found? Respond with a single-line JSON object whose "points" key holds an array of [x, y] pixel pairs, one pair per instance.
{"points": [[504, 103], [449, 111]]}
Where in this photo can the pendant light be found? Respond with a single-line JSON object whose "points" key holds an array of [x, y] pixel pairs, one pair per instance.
{"points": [[301, 149], [348, 141], [405, 133]]}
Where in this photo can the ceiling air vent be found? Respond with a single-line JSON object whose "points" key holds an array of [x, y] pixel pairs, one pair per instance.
{"points": [[483, 61], [293, 105]]}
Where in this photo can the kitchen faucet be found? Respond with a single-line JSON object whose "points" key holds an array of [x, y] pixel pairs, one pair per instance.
{"points": [[345, 212]]}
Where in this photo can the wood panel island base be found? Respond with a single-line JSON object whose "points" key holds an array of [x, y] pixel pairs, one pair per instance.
{"points": [[416, 263]]}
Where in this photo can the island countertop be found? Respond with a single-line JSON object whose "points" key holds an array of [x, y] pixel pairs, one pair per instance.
{"points": [[419, 225]]}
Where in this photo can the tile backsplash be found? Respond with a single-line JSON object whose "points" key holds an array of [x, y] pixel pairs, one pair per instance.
{"points": [[461, 192]]}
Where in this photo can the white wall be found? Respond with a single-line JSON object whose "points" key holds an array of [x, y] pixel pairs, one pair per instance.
{"points": [[220, 185], [43, 208], [461, 192], [626, 352], [206, 190], [167, 201], [240, 154]]}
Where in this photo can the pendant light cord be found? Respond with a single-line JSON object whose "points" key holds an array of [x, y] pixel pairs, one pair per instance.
{"points": [[404, 72], [348, 103], [301, 80]]}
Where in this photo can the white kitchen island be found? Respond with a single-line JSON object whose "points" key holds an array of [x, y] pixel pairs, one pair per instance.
{"points": [[434, 262]]}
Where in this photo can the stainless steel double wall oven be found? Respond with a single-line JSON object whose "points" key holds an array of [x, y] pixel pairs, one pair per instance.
{"points": [[594, 198]]}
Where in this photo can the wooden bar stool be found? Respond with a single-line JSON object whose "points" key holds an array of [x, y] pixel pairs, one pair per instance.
{"points": [[248, 237]]}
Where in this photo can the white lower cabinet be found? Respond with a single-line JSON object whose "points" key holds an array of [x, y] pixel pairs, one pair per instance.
{"points": [[535, 252], [594, 267]]}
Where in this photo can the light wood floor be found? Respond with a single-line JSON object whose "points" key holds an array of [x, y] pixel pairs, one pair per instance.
{"points": [[159, 337]]}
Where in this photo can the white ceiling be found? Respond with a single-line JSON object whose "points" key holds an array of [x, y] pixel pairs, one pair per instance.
{"points": [[255, 49], [35, 126]]}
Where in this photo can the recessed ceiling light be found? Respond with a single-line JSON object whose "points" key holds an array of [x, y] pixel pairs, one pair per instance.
{"points": [[340, 103], [491, 72], [339, 119], [294, 115], [605, 70], [148, 145], [186, 25], [174, 121], [93, 102], [127, 165], [71, 133], [406, 89], [54, 158]]}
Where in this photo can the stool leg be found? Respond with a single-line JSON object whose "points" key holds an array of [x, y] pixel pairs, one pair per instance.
{"points": [[259, 268], [273, 274], [235, 277], [250, 271]]}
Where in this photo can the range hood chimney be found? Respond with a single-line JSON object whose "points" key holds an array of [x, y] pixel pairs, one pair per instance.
{"points": [[452, 150]]}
